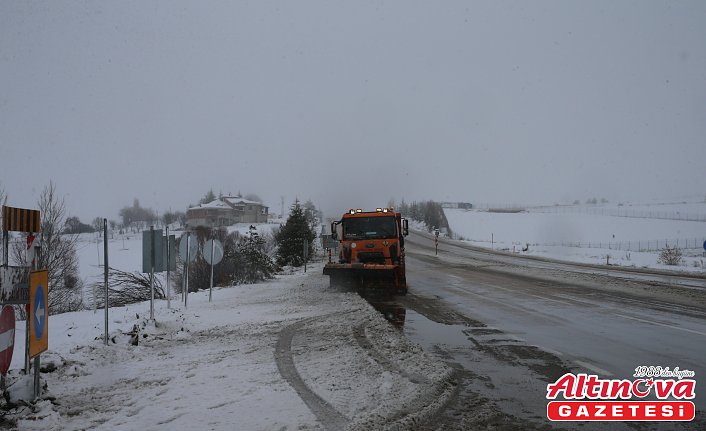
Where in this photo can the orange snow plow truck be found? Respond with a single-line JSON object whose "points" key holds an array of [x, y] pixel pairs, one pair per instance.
{"points": [[371, 253]]}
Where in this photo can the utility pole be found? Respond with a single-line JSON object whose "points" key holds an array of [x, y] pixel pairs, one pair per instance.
{"points": [[168, 260]]}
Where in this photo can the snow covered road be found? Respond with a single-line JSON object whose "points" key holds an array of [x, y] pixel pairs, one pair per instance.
{"points": [[288, 354]]}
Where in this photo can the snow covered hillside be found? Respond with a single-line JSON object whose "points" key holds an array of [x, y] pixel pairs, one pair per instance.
{"points": [[630, 236]]}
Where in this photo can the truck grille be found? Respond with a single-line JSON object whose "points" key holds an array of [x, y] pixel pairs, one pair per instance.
{"points": [[371, 257]]}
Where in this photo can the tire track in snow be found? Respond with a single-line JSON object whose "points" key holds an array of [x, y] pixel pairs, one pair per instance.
{"points": [[329, 417], [366, 345], [412, 414]]}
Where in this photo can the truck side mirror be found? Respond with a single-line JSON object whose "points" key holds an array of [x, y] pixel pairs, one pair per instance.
{"points": [[334, 234], [405, 227]]}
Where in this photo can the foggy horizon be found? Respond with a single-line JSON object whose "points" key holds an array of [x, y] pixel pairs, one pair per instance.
{"points": [[351, 105]]}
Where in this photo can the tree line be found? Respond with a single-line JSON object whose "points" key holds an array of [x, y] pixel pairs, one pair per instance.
{"points": [[428, 212]]}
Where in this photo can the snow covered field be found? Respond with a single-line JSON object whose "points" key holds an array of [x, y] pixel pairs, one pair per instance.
{"points": [[585, 234], [286, 354]]}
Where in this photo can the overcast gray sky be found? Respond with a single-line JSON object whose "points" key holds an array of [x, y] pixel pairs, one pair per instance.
{"points": [[351, 103]]}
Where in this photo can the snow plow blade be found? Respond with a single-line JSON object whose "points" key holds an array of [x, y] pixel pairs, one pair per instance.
{"points": [[367, 275]]}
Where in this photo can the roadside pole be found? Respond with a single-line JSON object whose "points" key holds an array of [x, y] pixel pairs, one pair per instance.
{"points": [[105, 274], [5, 247], [152, 258], [436, 242], [186, 291], [213, 248], [306, 253], [32, 267], [4, 259], [37, 363], [183, 281], [169, 294]]}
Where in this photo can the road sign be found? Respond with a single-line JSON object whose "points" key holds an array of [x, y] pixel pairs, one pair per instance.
{"points": [[38, 312], [193, 248], [147, 251], [7, 337], [20, 219], [704, 245], [217, 251], [171, 243], [14, 284]]}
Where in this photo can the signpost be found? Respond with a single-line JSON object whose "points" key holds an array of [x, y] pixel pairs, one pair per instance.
{"points": [[170, 255], [39, 310], [212, 254], [193, 248], [187, 253], [158, 255], [106, 268], [20, 219], [39, 321], [15, 287]]}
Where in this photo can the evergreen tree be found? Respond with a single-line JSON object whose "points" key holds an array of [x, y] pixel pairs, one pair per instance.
{"points": [[311, 213], [257, 265], [290, 238], [208, 197]]}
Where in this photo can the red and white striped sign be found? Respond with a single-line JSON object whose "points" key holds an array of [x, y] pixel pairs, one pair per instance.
{"points": [[7, 337]]}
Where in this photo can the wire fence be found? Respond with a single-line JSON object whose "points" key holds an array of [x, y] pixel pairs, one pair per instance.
{"points": [[648, 245], [623, 212]]}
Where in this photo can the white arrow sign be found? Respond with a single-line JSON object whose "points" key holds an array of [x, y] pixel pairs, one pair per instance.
{"points": [[39, 314]]}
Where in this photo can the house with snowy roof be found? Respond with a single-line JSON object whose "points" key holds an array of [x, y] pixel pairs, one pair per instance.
{"points": [[226, 211]]}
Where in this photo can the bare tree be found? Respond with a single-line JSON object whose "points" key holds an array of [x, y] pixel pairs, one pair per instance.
{"points": [[58, 254]]}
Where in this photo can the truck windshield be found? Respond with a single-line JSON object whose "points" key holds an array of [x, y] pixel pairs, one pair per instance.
{"points": [[369, 228]]}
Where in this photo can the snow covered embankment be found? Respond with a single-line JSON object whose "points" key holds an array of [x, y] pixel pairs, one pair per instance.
{"points": [[288, 354]]}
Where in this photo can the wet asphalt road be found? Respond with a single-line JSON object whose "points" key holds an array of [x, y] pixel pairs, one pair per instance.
{"points": [[511, 327]]}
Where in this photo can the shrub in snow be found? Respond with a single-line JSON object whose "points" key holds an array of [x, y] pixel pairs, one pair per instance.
{"points": [[127, 288], [670, 256], [246, 259]]}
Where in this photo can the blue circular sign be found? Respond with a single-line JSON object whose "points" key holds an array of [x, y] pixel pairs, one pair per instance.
{"points": [[40, 312]]}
